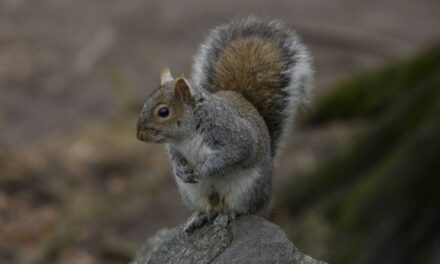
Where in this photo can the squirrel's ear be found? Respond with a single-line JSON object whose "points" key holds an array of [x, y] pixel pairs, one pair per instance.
{"points": [[165, 76], [182, 91]]}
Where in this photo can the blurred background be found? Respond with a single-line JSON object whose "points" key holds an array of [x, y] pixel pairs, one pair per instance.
{"points": [[358, 182]]}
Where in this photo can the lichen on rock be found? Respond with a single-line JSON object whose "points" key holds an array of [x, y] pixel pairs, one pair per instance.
{"points": [[248, 239]]}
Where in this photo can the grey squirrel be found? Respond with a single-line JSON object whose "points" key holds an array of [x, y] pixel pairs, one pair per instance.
{"points": [[223, 126]]}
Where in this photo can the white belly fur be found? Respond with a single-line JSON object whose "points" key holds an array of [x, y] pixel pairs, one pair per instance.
{"points": [[234, 188]]}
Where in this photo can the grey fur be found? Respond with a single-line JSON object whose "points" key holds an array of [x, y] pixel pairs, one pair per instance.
{"points": [[238, 137], [221, 149]]}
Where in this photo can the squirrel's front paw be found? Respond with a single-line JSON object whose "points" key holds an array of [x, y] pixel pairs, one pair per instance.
{"points": [[186, 175]]}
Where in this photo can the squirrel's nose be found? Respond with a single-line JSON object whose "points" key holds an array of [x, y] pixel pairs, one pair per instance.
{"points": [[141, 129], [141, 135], [144, 132]]}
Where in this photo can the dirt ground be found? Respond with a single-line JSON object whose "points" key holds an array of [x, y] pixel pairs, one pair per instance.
{"points": [[74, 181]]}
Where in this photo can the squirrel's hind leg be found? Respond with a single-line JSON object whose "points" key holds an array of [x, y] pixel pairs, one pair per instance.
{"points": [[224, 219], [197, 220]]}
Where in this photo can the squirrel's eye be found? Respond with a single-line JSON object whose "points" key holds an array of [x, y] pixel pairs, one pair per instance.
{"points": [[163, 111]]}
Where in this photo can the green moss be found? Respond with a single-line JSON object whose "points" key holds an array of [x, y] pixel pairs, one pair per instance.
{"points": [[370, 93], [380, 194]]}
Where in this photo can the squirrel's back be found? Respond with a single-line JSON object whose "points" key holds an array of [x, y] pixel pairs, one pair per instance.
{"points": [[263, 61]]}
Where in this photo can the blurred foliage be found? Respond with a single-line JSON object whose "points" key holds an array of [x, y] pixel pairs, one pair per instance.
{"points": [[379, 195]]}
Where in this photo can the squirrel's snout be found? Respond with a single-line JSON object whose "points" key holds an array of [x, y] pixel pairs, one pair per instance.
{"points": [[141, 135], [147, 134], [142, 131]]}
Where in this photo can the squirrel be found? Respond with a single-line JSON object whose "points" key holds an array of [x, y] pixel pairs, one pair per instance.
{"points": [[223, 126]]}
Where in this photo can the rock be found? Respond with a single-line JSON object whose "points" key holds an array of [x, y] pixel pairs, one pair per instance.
{"points": [[248, 239]]}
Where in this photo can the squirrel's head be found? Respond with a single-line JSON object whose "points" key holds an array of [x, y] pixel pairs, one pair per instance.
{"points": [[167, 113]]}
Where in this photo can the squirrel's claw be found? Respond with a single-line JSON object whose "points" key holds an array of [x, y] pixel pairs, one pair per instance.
{"points": [[189, 177], [196, 221], [190, 180]]}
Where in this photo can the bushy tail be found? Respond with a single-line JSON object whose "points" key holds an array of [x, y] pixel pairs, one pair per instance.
{"points": [[265, 62]]}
